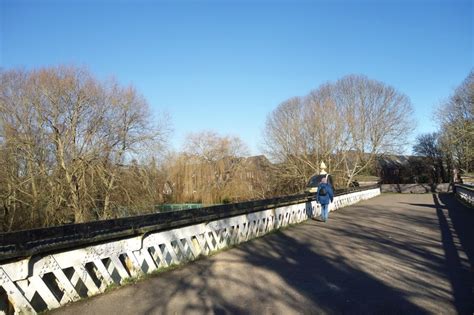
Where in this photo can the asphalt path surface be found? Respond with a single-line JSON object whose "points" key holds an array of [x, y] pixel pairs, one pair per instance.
{"points": [[393, 254]]}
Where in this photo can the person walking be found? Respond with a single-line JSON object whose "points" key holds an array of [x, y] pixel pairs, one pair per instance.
{"points": [[324, 196]]}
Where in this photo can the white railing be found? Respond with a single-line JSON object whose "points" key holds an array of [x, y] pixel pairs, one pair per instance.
{"points": [[466, 193], [43, 283]]}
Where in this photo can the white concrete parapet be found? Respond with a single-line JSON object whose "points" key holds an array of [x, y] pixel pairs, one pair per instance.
{"points": [[43, 283]]}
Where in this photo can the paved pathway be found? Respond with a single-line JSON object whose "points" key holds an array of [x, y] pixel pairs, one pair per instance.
{"points": [[392, 254]]}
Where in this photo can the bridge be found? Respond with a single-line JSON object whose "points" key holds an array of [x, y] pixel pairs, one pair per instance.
{"points": [[389, 253]]}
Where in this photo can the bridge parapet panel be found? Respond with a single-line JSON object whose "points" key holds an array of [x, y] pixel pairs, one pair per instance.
{"points": [[465, 193], [47, 280]]}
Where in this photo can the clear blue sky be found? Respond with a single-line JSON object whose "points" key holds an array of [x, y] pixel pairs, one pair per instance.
{"points": [[224, 65]]}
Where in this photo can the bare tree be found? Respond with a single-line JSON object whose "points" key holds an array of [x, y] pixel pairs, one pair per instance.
{"points": [[287, 145], [429, 147], [378, 120], [66, 139], [346, 124], [212, 147], [128, 130], [456, 118]]}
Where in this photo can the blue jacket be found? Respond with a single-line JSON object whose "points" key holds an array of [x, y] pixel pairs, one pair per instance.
{"points": [[324, 200]]}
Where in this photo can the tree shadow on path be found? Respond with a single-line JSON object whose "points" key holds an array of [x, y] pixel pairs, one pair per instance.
{"points": [[330, 286]]}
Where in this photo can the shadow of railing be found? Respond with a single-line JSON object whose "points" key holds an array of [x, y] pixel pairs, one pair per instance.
{"points": [[456, 223]]}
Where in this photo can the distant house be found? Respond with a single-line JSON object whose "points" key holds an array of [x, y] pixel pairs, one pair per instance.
{"points": [[397, 169]]}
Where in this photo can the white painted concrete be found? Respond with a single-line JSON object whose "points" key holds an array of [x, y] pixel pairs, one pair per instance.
{"points": [[39, 283]]}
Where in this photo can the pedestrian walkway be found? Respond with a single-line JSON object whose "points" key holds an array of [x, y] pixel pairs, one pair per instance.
{"points": [[391, 254]]}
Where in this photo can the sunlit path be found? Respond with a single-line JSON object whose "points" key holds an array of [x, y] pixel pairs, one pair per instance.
{"points": [[392, 254]]}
